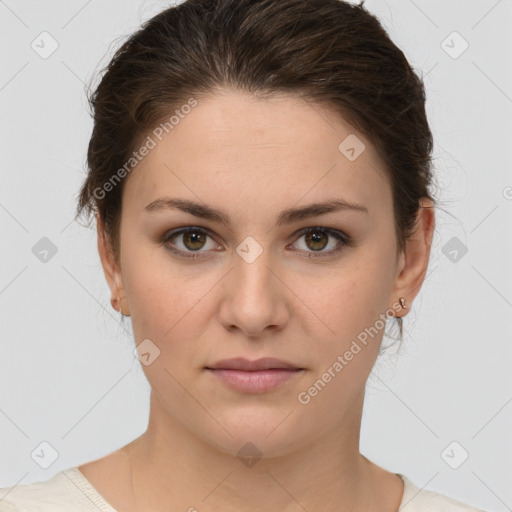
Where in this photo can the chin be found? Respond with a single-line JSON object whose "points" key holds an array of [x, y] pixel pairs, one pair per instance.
{"points": [[257, 434]]}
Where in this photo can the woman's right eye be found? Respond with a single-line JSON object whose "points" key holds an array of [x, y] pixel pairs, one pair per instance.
{"points": [[192, 239]]}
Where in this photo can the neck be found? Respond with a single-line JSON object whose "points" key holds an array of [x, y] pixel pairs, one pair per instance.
{"points": [[173, 468]]}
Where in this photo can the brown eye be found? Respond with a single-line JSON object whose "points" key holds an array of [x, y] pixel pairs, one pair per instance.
{"points": [[187, 241], [194, 240], [316, 239]]}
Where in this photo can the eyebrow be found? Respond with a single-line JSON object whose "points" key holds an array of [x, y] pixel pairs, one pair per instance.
{"points": [[287, 216]]}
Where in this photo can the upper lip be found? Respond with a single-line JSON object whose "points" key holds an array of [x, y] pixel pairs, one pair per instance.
{"points": [[240, 363]]}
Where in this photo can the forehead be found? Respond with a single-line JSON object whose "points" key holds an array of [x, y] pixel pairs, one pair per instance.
{"points": [[262, 149]]}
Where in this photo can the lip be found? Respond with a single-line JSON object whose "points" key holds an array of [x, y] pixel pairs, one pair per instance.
{"points": [[259, 376], [265, 363], [255, 381]]}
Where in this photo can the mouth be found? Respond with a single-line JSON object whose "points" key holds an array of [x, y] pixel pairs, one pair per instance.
{"points": [[265, 363], [254, 377]]}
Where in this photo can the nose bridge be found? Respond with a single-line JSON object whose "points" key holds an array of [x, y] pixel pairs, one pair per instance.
{"points": [[252, 261], [253, 301]]}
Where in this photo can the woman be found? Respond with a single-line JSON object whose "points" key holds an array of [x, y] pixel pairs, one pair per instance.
{"points": [[260, 174]]}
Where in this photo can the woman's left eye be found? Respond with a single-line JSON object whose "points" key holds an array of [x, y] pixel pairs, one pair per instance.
{"points": [[316, 240]]}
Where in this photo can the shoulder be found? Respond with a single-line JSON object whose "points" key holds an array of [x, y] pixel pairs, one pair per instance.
{"points": [[65, 491], [416, 499]]}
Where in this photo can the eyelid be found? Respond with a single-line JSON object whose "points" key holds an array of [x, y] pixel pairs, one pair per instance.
{"points": [[165, 242], [343, 240]]}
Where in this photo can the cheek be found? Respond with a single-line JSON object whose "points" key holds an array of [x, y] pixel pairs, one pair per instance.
{"points": [[343, 302], [168, 312], [168, 305], [345, 358], [158, 292], [345, 316]]}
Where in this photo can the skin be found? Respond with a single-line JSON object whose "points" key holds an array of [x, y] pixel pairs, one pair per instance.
{"points": [[304, 310]]}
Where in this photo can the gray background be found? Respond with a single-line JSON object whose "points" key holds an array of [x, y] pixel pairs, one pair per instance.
{"points": [[67, 373]]}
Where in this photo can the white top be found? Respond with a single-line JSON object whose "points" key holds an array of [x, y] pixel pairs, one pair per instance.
{"points": [[70, 491]]}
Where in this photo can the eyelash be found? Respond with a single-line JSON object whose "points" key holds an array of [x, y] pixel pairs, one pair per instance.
{"points": [[343, 241]]}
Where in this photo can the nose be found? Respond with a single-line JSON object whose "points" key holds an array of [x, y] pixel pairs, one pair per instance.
{"points": [[254, 298]]}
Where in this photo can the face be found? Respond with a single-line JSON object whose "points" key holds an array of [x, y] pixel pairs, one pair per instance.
{"points": [[249, 282]]}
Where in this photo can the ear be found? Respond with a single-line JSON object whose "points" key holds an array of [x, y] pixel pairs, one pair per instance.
{"points": [[414, 260], [111, 270]]}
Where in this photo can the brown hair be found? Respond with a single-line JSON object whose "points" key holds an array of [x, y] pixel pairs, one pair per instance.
{"points": [[327, 51]]}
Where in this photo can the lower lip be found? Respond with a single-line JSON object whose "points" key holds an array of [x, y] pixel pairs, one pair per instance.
{"points": [[259, 381]]}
